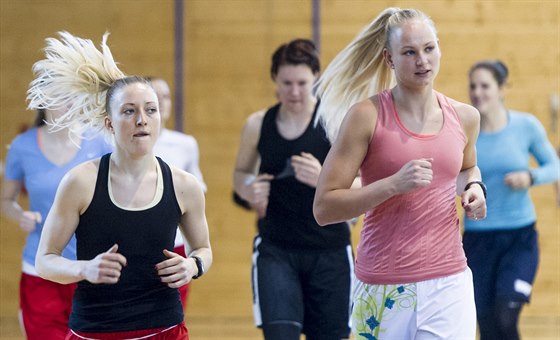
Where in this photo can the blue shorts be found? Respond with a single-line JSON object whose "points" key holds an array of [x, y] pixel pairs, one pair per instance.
{"points": [[504, 264], [308, 288]]}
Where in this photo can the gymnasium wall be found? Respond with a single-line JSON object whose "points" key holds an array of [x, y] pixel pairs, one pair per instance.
{"points": [[228, 45]]}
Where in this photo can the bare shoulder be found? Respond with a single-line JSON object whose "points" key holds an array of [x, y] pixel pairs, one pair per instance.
{"points": [[78, 185], [467, 113], [362, 117], [84, 174], [182, 177], [254, 121], [366, 108], [186, 185], [252, 129]]}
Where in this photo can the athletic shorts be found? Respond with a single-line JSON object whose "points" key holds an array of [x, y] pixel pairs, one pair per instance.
{"points": [[177, 332], [310, 289], [504, 264], [441, 308], [183, 290], [45, 307]]}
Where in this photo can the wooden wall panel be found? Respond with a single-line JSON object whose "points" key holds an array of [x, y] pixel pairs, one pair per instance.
{"points": [[141, 41], [228, 46]]}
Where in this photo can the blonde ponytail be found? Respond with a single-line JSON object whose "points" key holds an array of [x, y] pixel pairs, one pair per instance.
{"points": [[359, 70], [74, 76]]}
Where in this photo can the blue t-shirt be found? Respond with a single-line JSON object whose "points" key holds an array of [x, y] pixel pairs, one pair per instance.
{"points": [[505, 151], [25, 162]]}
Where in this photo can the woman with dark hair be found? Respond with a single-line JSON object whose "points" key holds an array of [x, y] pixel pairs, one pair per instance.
{"points": [[37, 160], [301, 271], [124, 207], [502, 250]]}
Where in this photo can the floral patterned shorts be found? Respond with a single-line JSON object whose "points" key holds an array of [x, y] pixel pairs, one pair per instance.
{"points": [[441, 308]]}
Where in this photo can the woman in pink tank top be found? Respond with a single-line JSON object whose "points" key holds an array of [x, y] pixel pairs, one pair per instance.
{"points": [[415, 151]]}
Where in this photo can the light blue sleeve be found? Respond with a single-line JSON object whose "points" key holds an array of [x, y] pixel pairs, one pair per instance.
{"points": [[99, 141], [544, 153], [107, 146], [13, 170]]}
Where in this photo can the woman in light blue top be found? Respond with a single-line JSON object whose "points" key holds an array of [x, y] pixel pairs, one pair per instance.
{"points": [[502, 250], [37, 160]]}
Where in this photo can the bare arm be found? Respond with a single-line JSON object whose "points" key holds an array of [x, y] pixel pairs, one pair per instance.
{"points": [[472, 200], [247, 183], [73, 196], [177, 271], [338, 197], [11, 208]]}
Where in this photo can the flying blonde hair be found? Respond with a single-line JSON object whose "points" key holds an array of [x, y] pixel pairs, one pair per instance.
{"points": [[359, 70], [74, 76]]}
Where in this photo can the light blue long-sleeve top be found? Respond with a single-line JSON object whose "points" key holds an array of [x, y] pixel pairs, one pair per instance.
{"points": [[505, 151]]}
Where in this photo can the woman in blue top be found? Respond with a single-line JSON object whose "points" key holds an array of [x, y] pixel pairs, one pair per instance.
{"points": [[37, 160], [502, 250]]}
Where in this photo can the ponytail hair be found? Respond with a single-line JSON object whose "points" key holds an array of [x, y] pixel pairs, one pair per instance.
{"points": [[359, 70], [74, 76]]}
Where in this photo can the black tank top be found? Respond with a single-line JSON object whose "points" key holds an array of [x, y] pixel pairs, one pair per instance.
{"points": [[289, 220], [139, 300]]}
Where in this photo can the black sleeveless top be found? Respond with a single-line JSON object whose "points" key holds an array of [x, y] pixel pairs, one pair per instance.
{"points": [[139, 300], [289, 220]]}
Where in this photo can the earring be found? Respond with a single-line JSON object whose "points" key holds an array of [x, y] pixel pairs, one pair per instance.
{"points": [[393, 66]]}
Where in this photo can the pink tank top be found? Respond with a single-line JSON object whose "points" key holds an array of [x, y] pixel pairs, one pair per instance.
{"points": [[414, 236]]}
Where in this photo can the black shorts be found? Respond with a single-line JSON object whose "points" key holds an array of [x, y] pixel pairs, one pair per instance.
{"points": [[310, 289], [504, 264]]}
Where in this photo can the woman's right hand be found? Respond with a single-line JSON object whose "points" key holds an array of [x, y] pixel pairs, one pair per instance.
{"points": [[259, 192], [105, 267], [28, 220]]}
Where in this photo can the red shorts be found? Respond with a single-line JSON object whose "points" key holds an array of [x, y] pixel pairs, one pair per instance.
{"points": [[177, 332], [183, 290], [45, 307]]}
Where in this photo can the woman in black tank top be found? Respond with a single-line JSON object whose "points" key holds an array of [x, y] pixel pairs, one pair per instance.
{"points": [[276, 172], [123, 208]]}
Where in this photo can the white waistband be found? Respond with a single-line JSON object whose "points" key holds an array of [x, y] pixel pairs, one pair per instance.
{"points": [[28, 269], [142, 337]]}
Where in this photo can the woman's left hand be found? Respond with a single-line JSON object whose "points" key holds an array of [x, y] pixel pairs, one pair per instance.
{"points": [[177, 270], [518, 180], [306, 168], [474, 203]]}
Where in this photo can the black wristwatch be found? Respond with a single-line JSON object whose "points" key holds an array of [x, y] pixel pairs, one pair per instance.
{"points": [[199, 266], [482, 185]]}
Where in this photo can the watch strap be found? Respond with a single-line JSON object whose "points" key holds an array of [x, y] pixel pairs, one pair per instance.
{"points": [[199, 266], [480, 183]]}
